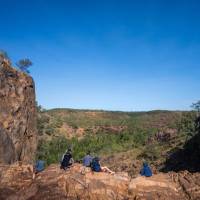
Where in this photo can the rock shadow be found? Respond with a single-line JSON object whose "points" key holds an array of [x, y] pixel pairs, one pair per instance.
{"points": [[187, 158]]}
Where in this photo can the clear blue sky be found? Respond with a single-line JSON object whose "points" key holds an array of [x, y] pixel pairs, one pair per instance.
{"points": [[106, 54]]}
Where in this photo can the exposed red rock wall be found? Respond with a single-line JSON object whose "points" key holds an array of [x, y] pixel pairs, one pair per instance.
{"points": [[18, 134]]}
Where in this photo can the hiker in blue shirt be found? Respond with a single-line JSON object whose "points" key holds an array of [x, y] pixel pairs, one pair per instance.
{"points": [[96, 166], [87, 160], [146, 170]]}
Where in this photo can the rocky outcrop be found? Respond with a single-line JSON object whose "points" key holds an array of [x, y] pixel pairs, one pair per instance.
{"points": [[18, 134], [7, 149], [189, 184], [16, 182]]}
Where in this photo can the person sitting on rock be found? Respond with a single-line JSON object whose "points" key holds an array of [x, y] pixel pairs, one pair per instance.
{"points": [[146, 170], [67, 160], [96, 166], [87, 160]]}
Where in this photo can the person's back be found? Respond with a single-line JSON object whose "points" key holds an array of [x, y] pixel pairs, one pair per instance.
{"points": [[146, 170], [66, 161], [87, 160]]}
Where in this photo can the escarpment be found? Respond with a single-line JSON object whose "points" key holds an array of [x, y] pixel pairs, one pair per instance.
{"points": [[18, 133]]}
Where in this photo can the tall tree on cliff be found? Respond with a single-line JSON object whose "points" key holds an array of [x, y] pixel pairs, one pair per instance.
{"points": [[24, 65]]}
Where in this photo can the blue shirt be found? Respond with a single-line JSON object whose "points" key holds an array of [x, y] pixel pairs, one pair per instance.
{"points": [[87, 160]]}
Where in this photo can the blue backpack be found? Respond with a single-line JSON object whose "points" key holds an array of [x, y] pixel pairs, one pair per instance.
{"points": [[95, 165], [40, 165]]}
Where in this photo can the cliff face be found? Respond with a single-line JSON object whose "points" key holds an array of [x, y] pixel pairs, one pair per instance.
{"points": [[18, 134]]}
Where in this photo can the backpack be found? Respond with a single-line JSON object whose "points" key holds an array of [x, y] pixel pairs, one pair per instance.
{"points": [[40, 165], [95, 165]]}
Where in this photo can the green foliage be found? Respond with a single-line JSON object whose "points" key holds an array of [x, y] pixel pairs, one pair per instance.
{"points": [[49, 130], [136, 128], [100, 144], [150, 153], [51, 151], [24, 65], [187, 124], [42, 121], [196, 106], [57, 123], [198, 125]]}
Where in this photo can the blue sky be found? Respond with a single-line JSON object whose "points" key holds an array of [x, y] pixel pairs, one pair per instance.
{"points": [[107, 54]]}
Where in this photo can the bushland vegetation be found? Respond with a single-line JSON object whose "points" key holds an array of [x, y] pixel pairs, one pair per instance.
{"points": [[139, 133], [100, 144]]}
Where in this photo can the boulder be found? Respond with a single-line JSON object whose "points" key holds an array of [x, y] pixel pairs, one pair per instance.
{"points": [[18, 134]]}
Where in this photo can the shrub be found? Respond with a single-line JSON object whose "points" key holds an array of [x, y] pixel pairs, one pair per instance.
{"points": [[187, 124], [99, 144], [49, 130], [150, 153], [57, 123], [51, 151]]}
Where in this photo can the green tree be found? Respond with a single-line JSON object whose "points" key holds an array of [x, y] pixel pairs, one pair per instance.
{"points": [[24, 65], [196, 106]]}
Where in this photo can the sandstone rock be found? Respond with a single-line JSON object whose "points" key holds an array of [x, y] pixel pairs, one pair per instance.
{"points": [[158, 186], [7, 149], [16, 182], [18, 134], [189, 184]]}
